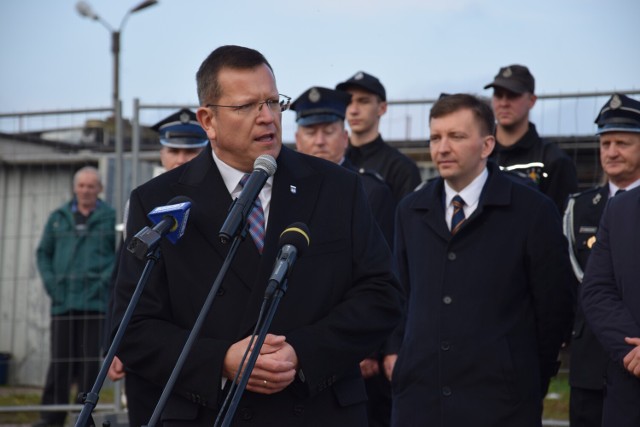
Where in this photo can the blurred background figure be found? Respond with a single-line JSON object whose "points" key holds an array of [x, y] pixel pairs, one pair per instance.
{"points": [[75, 258], [182, 138], [519, 148], [321, 132], [366, 148]]}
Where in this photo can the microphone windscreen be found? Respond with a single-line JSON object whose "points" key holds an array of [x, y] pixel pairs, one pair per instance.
{"points": [[266, 163], [297, 234]]}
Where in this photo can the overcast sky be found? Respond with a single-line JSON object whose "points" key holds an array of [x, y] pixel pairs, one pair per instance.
{"points": [[52, 58]]}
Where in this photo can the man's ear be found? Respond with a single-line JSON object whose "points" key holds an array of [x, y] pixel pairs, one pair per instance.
{"points": [[488, 142], [382, 108], [207, 119]]}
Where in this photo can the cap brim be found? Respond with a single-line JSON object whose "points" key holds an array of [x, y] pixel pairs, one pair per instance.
{"points": [[617, 128], [317, 119], [509, 85], [346, 85], [184, 143]]}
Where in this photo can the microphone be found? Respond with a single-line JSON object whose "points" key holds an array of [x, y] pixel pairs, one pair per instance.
{"points": [[169, 220], [294, 240], [264, 167]]}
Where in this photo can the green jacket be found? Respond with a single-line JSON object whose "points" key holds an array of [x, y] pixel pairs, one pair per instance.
{"points": [[76, 265]]}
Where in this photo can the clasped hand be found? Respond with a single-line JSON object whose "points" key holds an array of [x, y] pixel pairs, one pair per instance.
{"points": [[275, 367]]}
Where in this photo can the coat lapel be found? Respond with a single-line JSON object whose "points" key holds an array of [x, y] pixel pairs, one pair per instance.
{"points": [[293, 199], [430, 204], [202, 181]]}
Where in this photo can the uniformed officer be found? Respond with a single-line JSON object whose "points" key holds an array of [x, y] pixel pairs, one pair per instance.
{"points": [[320, 114], [619, 131], [182, 138], [366, 147], [519, 148]]}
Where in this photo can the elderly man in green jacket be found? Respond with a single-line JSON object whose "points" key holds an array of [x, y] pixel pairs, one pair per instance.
{"points": [[75, 257]]}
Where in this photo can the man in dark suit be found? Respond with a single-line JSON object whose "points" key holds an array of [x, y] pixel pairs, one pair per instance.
{"points": [[342, 298], [610, 293], [485, 270], [620, 160], [320, 116]]}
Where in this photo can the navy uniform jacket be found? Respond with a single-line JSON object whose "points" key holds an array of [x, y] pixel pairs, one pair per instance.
{"points": [[611, 302], [543, 162], [588, 359], [487, 308], [342, 299], [383, 205], [398, 170]]}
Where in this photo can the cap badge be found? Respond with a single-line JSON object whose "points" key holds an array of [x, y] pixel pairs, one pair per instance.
{"points": [[184, 118], [615, 102], [359, 76], [314, 95], [507, 72]]}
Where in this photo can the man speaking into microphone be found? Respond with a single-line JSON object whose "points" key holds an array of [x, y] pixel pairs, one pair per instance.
{"points": [[342, 298]]}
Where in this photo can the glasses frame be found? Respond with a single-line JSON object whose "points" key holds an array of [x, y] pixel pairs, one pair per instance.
{"points": [[238, 108]]}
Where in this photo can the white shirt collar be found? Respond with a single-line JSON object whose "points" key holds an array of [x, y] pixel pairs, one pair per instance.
{"points": [[232, 177], [471, 193], [614, 188]]}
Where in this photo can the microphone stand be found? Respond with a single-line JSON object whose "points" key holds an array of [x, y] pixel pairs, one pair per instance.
{"points": [[193, 335], [90, 400], [273, 296]]}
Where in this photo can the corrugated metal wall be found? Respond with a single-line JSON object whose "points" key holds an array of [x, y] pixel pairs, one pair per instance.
{"points": [[28, 194]]}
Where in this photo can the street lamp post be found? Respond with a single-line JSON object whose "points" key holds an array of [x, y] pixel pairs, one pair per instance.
{"points": [[84, 9]]}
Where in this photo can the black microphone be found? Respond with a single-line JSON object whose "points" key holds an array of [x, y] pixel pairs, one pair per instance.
{"points": [[294, 240], [169, 220], [264, 167]]}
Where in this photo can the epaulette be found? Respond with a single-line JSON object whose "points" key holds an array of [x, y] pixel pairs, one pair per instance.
{"points": [[586, 193], [371, 172]]}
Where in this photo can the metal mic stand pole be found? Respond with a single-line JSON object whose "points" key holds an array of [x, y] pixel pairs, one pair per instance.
{"points": [[278, 293], [90, 399], [193, 335]]}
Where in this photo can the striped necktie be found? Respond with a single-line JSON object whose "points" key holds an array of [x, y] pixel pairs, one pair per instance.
{"points": [[458, 214], [255, 219]]}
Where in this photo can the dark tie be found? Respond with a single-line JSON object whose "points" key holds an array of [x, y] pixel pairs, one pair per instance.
{"points": [[620, 191], [255, 219], [458, 214]]}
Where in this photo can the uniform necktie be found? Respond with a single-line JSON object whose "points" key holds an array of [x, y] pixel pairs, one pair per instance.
{"points": [[620, 191], [458, 214], [255, 219]]}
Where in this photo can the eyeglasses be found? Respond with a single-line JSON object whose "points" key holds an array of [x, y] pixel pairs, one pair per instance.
{"points": [[275, 105]]}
